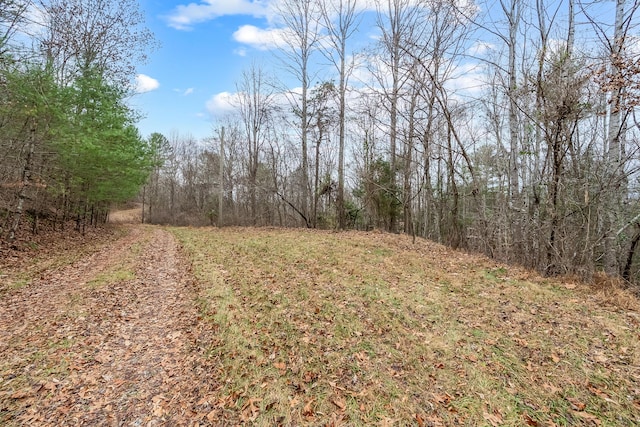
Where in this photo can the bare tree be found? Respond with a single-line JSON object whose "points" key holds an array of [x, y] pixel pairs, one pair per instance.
{"points": [[255, 106], [301, 19], [12, 15], [99, 35], [341, 21], [397, 20]]}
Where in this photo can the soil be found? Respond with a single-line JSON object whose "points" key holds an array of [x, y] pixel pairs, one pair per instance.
{"points": [[113, 339]]}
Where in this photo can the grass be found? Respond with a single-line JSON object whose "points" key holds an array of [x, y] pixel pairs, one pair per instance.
{"points": [[369, 329], [41, 358], [33, 264]]}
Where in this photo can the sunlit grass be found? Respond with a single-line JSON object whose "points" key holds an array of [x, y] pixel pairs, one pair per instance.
{"points": [[366, 329]]}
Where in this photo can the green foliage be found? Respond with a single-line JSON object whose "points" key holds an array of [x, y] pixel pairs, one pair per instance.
{"points": [[377, 190], [27, 93], [160, 149], [98, 147]]}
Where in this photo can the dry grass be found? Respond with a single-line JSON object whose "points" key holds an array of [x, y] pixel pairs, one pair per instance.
{"points": [[320, 328], [126, 216]]}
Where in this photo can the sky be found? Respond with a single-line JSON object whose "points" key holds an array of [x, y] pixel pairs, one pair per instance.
{"points": [[204, 47], [200, 57]]}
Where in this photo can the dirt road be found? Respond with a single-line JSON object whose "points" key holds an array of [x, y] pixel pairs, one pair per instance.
{"points": [[113, 339]]}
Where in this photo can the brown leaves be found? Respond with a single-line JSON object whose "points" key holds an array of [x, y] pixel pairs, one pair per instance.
{"points": [[287, 336], [340, 402], [250, 411], [93, 337], [308, 410], [588, 417], [281, 366], [530, 421], [494, 417], [576, 404]]}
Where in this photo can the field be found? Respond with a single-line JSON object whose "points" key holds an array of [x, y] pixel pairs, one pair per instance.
{"points": [[296, 327], [364, 329]]}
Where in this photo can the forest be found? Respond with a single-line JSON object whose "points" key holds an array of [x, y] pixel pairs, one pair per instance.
{"points": [[69, 142], [537, 165]]}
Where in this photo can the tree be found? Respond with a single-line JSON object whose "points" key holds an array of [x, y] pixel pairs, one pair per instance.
{"points": [[323, 117], [255, 105], [397, 20], [301, 19], [104, 36], [29, 109], [160, 151], [341, 21], [102, 156], [12, 14]]}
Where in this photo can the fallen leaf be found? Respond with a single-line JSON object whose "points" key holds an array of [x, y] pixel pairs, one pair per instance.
{"points": [[339, 402], [308, 411], [576, 404], [21, 394], [212, 416], [530, 421], [442, 398], [587, 416], [551, 388], [495, 419]]}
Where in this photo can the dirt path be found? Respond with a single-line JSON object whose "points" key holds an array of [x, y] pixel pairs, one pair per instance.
{"points": [[113, 339]]}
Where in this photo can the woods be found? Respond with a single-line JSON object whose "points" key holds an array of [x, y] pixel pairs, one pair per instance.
{"points": [[69, 140], [507, 129]]}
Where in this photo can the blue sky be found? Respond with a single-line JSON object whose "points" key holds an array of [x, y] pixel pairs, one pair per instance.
{"points": [[198, 58], [205, 46]]}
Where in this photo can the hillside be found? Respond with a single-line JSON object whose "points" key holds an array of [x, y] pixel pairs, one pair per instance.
{"points": [[187, 326]]}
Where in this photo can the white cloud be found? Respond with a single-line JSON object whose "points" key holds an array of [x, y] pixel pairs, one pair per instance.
{"points": [[227, 102], [188, 92], [479, 48], [184, 17], [221, 103], [145, 83], [467, 79], [260, 38]]}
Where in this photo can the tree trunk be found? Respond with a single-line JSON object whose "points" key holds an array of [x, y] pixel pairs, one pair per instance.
{"points": [[615, 151], [26, 181]]}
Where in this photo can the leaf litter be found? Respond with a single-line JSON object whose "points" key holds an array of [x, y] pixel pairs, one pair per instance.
{"points": [[295, 327], [120, 353]]}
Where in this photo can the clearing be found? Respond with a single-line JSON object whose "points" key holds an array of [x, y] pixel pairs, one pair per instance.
{"points": [[182, 326]]}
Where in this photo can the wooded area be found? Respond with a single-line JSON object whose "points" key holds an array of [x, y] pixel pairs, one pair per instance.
{"points": [[69, 143], [536, 164]]}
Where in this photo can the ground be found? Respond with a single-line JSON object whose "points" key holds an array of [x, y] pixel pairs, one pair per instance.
{"points": [[79, 352], [145, 325]]}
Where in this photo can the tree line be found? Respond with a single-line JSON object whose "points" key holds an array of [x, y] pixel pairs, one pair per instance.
{"points": [[69, 143], [537, 164]]}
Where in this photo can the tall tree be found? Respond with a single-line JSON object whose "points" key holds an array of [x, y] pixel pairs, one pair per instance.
{"points": [[255, 105], [105, 36], [29, 109], [341, 21], [161, 150], [98, 145], [397, 20], [301, 19], [615, 139]]}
